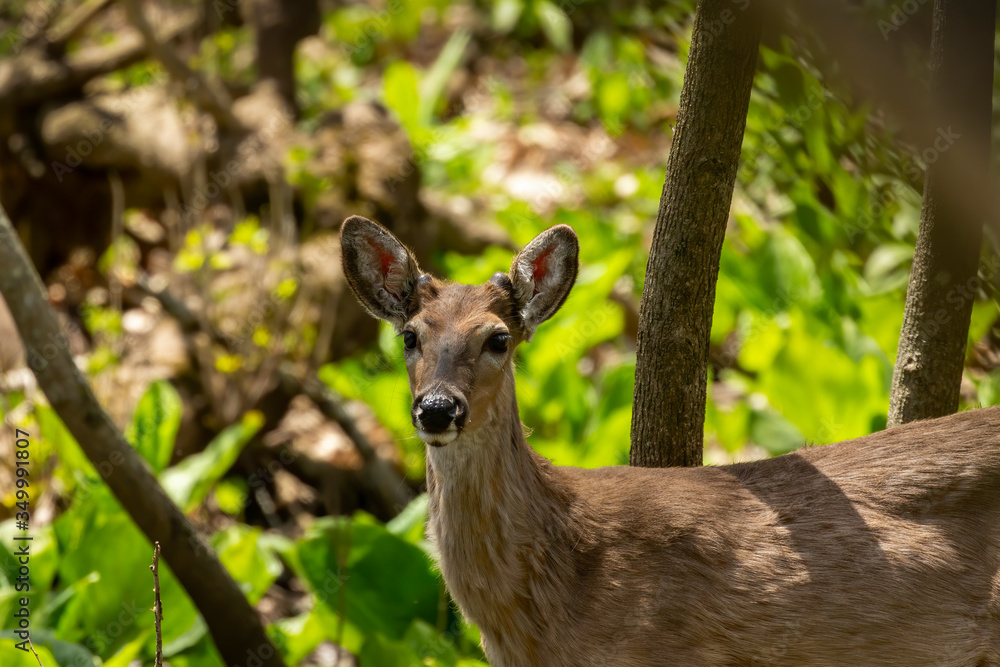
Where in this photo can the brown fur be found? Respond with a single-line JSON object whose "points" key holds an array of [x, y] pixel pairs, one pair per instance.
{"points": [[883, 550]]}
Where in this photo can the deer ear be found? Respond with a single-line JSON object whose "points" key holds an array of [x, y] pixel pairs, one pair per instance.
{"points": [[543, 273], [381, 272]]}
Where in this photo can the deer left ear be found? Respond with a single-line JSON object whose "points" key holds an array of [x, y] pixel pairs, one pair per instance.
{"points": [[543, 274], [381, 272]]}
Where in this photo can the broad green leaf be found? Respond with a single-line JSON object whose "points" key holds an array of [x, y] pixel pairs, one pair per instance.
{"points": [[385, 583], [400, 89], [63, 652], [555, 24], [203, 654], [384, 652], [409, 524], [247, 558], [154, 427], [433, 647], [434, 82], [298, 636], [113, 609], [189, 482], [52, 429], [506, 14], [887, 268], [10, 656], [131, 651]]}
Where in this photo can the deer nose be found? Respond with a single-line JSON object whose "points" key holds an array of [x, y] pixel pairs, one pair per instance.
{"points": [[435, 413]]}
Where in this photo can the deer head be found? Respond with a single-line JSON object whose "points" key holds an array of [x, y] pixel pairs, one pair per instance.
{"points": [[458, 339]]}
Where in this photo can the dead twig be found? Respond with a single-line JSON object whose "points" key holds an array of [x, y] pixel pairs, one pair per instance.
{"points": [[32, 646], [157, 606]]}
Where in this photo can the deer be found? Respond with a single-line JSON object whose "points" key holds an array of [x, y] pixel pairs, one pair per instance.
{"points": [[882, 550]]}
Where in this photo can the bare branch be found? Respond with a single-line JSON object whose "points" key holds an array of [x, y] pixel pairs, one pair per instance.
{"points": [[37, 657], [70, 27], [157, 605], [30, 77]]}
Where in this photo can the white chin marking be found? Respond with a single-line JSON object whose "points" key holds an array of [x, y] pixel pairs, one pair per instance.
{"points": [[438, 439]]}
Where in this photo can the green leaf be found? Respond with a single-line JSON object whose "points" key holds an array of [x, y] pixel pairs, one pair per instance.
{"points": [[130, 652], [433, 647], [385, 583], [400, 89], [613, 97], [14, 657], [888, 267], [70, 454], [774, 433], [379, 650], [434, 83], [154, 427], [409, 524], [506, 14], [298, 636], [247, 558], [63, 652], [555, 24], [189, 482]]}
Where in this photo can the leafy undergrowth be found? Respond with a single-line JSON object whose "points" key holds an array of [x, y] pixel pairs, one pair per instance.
{"points": [[563, 116], [368, 587]]}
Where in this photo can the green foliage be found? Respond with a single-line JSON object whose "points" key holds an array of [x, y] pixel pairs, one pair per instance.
{"points": [[807, 312], [373, 587]]}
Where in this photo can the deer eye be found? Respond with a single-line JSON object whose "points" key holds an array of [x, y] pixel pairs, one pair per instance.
{"points": [[409, 340], [498, 342]]}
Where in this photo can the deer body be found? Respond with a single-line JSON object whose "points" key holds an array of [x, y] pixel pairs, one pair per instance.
{"points": [[883, 550]]}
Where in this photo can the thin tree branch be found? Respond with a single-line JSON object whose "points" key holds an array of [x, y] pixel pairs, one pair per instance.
{"points": [[70, 27], [30, 78], [37, 657], [233, 623], [157, 606]]}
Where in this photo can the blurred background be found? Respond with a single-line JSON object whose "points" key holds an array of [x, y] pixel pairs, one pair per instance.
{"points": [[178, 171]]}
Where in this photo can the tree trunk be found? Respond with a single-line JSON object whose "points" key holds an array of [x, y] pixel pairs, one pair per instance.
{"points": [[279, 25], [944, 277], [675, 315]]}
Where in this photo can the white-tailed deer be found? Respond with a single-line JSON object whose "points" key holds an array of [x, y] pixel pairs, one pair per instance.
{"points": [[878, 551]]}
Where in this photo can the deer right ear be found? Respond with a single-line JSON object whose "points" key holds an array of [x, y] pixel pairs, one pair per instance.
{"points": [[543, 273], [381, 272]]}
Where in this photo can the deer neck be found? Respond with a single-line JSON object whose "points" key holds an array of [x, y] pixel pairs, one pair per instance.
{"points": [[496, 513]]}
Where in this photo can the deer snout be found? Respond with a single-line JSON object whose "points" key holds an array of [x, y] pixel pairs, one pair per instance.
{"points": [[438, 413]]}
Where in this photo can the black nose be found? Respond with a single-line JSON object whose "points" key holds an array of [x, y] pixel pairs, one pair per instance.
{"points": [[436, 413]]}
